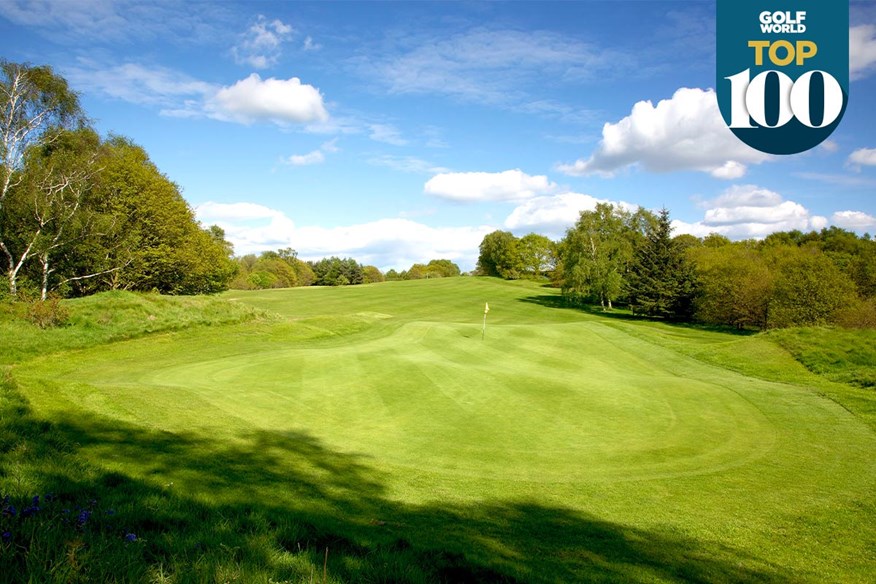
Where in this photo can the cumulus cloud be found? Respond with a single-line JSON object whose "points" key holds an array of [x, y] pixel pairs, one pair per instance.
{"points": [[280, 101], [862, 50], [854, 220], [510, 185], [250, 100], [863, 157], [685, 132], [260, 46], [552, 215], [387, 243], [749, 211]]}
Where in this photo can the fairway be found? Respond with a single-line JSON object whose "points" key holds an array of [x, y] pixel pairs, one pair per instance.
{"points": [[561, 446]]}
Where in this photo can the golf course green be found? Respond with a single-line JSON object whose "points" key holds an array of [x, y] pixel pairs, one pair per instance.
{"points": [[556, 445]]}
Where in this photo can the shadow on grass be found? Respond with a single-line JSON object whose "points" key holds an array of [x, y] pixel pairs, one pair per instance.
{"points": [[556, 301], [268, 505]]}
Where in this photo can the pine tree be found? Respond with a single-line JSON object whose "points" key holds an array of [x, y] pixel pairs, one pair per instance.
{"points": [[661, 280]]}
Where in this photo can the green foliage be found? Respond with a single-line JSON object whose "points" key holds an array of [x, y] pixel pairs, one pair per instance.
{"points": [[434, 269], [735, 285], [335, 271], [597, 254], [662, 282], [499, 256], [372, 275], [538, 255], [84, 215], [809, 289]]}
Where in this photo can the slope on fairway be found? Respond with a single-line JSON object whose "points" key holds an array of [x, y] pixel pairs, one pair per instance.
{"points": [[554, 408]]}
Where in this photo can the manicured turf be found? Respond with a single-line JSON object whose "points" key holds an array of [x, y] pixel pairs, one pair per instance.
{"points": [[563, 446]]}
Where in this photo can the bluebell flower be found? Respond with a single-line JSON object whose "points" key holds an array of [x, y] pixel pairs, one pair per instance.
{"points": [[28, 511], [10, 510], [36, 501], [7, 536], [110, 512], [130, 537], [83, 517]]}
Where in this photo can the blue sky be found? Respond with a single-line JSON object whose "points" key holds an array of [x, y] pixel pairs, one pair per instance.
{"points": [[401, 132]]}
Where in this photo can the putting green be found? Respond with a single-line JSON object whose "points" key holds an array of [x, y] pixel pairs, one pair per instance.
{"points": [[527, 405]]}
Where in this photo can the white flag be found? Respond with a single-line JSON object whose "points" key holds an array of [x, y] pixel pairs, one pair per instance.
{"points": [[486, 307]]}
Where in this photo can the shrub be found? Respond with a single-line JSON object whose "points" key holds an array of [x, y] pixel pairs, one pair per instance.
{"points": [[48, 313]]}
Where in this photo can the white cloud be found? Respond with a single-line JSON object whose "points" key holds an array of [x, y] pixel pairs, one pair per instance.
{"points": [[863, 157], [315, 157], [552, 215], [116, 21], [749, 211], [407, 164], [854, 220], [250, 100], [280, 101], [135, 83], [210, 212], [685, 132], [386, 243], [829, 146], [260, 46], [862, 50], [486, 66], [510, 185], [309, 45], [387, 133]]}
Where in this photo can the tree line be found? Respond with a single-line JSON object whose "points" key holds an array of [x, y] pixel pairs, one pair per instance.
{"points": [[284, 269], [615, 255]]}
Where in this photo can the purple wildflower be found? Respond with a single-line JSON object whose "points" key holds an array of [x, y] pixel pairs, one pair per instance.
{"points": [[10, 511], [130, 537], [82, 519]]}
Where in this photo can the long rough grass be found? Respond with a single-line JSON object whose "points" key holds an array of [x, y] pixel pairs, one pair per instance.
{"points": [[375, 422]]}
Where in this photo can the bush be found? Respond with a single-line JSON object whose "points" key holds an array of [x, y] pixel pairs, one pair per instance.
{"points": [[858, 315], [48, 313]]}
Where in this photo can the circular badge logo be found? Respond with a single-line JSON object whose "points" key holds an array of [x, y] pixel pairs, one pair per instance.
{"points": [[782, 71]]}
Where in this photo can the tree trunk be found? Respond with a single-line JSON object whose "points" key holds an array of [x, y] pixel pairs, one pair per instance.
{"points": [[45, 261]]}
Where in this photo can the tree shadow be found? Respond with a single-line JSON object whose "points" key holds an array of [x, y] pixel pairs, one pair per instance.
{"points": [[558, 302], [199, 501]]}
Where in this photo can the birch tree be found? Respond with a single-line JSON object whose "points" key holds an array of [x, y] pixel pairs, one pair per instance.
{"points": [[35, 105]]}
